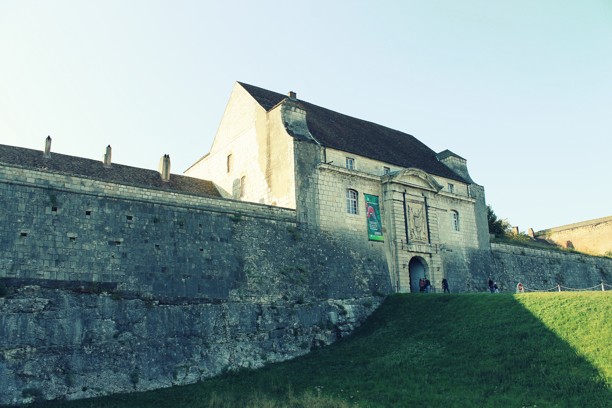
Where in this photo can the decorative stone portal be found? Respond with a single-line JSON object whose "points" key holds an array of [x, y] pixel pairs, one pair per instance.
{"points": [[417, 269]]}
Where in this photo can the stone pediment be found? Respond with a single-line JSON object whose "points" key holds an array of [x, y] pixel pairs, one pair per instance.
{"points": [[414, 178]]}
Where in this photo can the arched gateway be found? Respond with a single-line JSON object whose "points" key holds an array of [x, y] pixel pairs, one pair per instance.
{"points": [[416, 268]]}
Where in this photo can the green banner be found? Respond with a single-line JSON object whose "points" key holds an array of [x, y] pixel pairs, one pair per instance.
{"points": [[373, 218]]}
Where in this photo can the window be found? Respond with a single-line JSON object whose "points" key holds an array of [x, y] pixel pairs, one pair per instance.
{"points": [[455, 220], [350, 163], [451, 188], [386, 170], [229, 162], [351, 201]]}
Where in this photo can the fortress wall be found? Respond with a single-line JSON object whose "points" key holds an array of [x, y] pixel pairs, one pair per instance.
{"points": [[109, 288], [543, 269], [97, 188], [58, 227], [57, 344], [594, 236], [537, 269]]}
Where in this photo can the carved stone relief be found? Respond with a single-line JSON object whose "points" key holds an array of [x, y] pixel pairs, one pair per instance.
{"points": [[417, 222]]}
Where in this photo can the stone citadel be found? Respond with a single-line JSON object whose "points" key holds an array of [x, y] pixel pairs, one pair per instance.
{"points": [[282, 239]]}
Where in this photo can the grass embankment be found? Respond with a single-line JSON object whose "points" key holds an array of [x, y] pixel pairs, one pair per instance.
{"points": [[464, 350]]}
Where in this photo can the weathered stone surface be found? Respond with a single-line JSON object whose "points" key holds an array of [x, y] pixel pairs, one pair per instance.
{"points": [[110, 293], [593, 236], [55, 343], [113, 288], [536, 269]]}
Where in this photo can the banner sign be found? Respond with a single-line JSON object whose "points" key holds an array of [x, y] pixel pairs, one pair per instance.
{"points": [[373, 218]]}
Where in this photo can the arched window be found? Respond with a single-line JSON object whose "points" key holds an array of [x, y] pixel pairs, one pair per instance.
{"points": [[455, 220], [351, 201]]}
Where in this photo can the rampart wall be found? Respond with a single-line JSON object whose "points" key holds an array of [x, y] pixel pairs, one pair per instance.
{"points": [[536, 269], [593, 237], [113, 288], [110, 288]]}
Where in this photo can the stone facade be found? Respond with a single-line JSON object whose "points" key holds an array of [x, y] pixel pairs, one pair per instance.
{"points": [[592, 237], [426, 216], [249, 160]]}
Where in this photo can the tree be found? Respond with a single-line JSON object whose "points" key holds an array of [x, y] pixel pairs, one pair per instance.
{"points": [[496, 226]]}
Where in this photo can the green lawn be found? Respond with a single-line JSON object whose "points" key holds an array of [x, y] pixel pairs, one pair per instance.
{"points": [[432, 350]]}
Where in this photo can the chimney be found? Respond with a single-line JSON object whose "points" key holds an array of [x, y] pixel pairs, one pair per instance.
{"points": [[107, 156], [292, 95], [47, 154], [164, 167]]}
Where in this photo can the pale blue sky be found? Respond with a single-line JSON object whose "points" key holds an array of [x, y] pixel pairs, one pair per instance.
{"points": [[522, 89]]}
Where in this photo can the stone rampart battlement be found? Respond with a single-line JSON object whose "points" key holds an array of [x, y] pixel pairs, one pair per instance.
{"points": [[98, 188]]}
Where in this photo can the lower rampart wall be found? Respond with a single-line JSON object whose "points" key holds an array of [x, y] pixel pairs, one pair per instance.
{"points": [[107, 288], [536, 269], [105, 293], [58, 344]]}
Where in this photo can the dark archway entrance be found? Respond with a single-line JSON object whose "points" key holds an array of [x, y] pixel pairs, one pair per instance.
{"points": [[416, 269]]}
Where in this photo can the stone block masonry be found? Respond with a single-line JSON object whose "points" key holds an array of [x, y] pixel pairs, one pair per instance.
{"points": [[56, 227], [540, 269], [537, 269], [112, 288], [593, 237], [109, 288]]}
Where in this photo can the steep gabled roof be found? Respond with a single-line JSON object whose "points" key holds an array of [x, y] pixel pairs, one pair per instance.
{"points": [[342, 132], [93, 169]]}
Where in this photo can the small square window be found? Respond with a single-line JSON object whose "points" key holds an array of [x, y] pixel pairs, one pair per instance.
{"points": [[386, 170], [350, 163], [451, 188]]}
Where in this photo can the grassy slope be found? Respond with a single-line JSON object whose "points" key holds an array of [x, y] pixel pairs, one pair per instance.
{"points": [[485, 350]]}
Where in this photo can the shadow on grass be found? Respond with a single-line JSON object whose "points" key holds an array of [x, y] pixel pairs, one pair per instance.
{"points": [[416, 350]]}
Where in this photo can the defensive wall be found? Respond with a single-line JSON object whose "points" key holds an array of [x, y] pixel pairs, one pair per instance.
{"points": [[593, 236], [537, 269], [113, 287]]}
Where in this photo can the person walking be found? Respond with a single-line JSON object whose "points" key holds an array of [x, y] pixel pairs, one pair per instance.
{"points": [[445, 286]]}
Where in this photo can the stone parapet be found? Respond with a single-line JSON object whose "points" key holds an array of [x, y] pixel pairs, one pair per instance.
{"points": [[85, 186]]}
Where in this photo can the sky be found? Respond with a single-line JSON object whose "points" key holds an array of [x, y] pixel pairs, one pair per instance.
{"points": [[522, 89]]}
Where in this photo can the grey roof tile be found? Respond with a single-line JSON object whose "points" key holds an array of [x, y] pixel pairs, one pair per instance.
{"points": [[342, 132], [93, 169]]}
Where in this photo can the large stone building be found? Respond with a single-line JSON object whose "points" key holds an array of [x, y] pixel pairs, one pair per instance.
{"points": [[364, 182]]}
